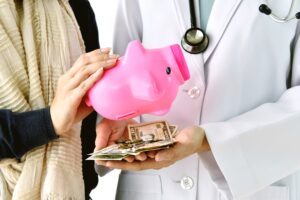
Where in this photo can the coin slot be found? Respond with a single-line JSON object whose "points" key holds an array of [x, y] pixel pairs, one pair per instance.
{"points": [[127, 115]]}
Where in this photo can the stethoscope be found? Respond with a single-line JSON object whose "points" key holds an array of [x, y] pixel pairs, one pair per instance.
{"points": [[196, 41], [263, 8]]}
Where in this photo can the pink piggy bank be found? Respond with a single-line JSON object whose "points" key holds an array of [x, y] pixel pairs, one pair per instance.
{"points": [[143, 81]]}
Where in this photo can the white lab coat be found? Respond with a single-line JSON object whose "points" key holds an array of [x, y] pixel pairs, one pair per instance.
{"points": [[248, 105]]}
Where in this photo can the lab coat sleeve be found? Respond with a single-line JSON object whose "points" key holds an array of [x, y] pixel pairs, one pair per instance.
{"points": [[128, 25], [260, 147]]}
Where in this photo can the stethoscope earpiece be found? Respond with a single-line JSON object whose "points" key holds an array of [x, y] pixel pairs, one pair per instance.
{"points": [[263, 8]]}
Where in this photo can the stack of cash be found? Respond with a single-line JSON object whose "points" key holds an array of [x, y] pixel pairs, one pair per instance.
{"points": [[143, 137]]}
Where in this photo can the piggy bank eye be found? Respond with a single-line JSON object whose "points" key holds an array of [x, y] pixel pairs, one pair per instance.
{"points": [[168, 70]]}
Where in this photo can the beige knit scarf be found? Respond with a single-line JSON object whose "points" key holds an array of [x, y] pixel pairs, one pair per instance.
{"points": [[39, 41]]}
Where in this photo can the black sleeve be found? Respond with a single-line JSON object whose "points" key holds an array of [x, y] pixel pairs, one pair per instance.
{"points": [[86, 20], [21, 132]]}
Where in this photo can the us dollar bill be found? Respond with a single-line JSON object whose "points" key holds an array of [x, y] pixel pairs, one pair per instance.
{"points": [[143, 137], [112, 152], [150, 131], [173, 130]]}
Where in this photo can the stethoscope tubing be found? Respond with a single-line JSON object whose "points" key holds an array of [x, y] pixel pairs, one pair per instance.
{"points": [[192, 14], [187, 45], [201, 46], [278, 19], [281, 20]]}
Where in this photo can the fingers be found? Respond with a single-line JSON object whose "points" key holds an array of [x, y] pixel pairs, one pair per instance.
{"points": [[136, 165], [102, 137], [124, 165], [173, 153], [110, 131], [88, 71], [83, 60], [129, 158], [151, 154], [83, 111], [65, 108], [141, 157], [85, 85], [86, 59], [110, 62]]}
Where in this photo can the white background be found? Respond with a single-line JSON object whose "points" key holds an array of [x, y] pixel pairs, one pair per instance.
{"points": [[105, 11]]}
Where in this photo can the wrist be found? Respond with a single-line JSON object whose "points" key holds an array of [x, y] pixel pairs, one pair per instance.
{"points": [[204, 145], [49, 123], [55, 123]]}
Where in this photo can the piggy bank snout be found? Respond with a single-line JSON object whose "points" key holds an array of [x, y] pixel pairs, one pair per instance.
{"points": [[180, 60]]}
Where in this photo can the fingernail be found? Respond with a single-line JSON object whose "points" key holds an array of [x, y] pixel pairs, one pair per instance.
{"points": [[159, 159], [98, 72], [111, 61], [105, 50], [114, 56]]}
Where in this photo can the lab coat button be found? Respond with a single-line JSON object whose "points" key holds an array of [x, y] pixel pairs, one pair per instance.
{"points": [[187, 183], [194, 92]]}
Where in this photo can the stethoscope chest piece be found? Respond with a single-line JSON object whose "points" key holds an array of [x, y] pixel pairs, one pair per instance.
{"points": [[194, 41]]}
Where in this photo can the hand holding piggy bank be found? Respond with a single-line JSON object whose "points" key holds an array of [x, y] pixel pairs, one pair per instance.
{"points": [[143, 81]]}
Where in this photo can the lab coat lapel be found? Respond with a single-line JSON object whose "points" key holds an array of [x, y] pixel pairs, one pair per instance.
{"points": [[219, 19], [182, 11]]}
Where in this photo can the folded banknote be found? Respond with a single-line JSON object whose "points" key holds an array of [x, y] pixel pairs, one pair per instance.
{"points": [[143, 137]]}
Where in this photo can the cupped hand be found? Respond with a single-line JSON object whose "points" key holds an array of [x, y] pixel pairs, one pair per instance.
{"points": [[109, 131], [189, 141], [68, 106]]}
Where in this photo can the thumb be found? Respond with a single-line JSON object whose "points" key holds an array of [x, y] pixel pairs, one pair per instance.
{"points": [[102, 136], [168, 154]]}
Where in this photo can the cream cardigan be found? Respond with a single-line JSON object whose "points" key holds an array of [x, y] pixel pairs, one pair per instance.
{"points": [[40, 40]]}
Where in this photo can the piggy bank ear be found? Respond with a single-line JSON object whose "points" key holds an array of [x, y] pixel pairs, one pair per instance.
{"points": [[144, 87], [134, 49]]}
